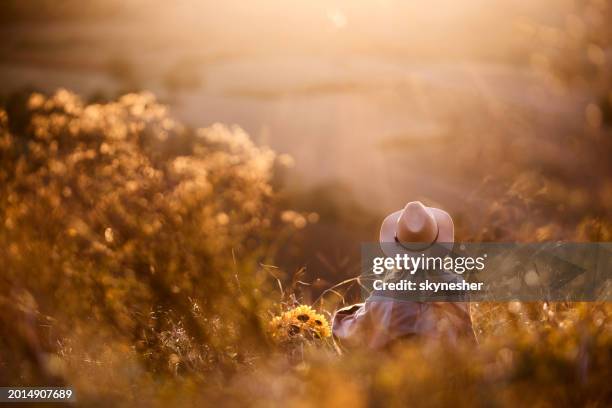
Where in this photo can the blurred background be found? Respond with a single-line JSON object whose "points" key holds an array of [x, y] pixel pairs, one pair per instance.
{"points": [[358, 92], [379, 102], [498, 112]]}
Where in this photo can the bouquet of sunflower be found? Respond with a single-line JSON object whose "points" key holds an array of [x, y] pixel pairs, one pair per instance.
{"points": [[298, 324]]}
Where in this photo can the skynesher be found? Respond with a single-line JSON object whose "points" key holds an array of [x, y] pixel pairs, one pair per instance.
{"points": [[427, 285]]}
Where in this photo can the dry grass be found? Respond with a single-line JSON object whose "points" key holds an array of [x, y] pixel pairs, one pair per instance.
{"points": [[135, 259]]}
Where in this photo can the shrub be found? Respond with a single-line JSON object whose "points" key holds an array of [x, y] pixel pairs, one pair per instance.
{"points": [[121, 226]]}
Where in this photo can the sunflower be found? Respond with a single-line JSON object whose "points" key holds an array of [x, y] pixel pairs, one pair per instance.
{"points": [[301, 322]]}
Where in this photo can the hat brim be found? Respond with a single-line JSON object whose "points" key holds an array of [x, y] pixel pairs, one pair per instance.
{"points": [[444, 241]]}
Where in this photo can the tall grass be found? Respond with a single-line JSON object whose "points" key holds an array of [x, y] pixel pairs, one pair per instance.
{"points": [[135, 262]]}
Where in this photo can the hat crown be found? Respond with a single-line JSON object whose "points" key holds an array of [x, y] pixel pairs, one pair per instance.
{"points": [[416, 224]]}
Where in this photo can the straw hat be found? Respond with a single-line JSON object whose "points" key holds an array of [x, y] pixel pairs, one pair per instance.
{"points": [[417, 229]]}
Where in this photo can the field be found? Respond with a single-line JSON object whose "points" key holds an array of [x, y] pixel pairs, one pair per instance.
{"points": [[166, 205]]}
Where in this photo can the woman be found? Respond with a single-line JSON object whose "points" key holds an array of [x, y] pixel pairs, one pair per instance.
{"points": [[381, 321]]}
